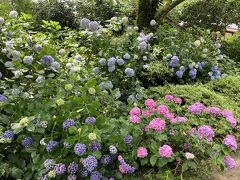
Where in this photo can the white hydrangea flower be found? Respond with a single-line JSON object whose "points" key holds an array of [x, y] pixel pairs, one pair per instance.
{"points": [[55, 65], [28, 60], [125, 20], [8, 64], [15, 54], [13, 14], [189, 155], [69, 65], [112, 149], [62, 52], [1, 20], [153, 22], [37, 47], [197, 43], [145, 58], [136, 28], [17, 74]]}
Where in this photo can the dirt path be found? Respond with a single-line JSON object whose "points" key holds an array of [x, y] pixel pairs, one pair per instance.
{"points": [[229, 174]]}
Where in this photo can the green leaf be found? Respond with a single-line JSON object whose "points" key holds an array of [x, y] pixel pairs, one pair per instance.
{"points": [[153, 160], [97, 154], [73, 130]]}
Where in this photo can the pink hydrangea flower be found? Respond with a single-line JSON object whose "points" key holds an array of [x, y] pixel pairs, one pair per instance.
{"points": [[165, 151], [169, 97], [230, 162], [150, 103], [169, 116], [181, 119], [178, 100], [162, 109], [230, 141], [196, 108], [122, 169], [142, 152], [215, 111], [135, 111], [206, 132], [156, 124], [146, 113], [135, 119], [230, 118]]}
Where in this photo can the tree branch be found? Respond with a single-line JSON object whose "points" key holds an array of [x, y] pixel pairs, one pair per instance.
{"points": [[166, 9]]}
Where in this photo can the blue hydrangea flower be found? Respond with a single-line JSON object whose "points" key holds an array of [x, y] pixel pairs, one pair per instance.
{"points": [[131, 99], [51, 144], [96, 70], [90, 120], [72, 177], [215, 68], [126, 56], [112, 61], [27, 141], [174, 61], [129, 72], [106, 159], [40, 79], [68, 123], [79, 149], [95, 175], [179, 74], [102, 62], [8, 134], [60, 168], [120, 62], [193, 73], [85, 23], [47, 60], [109, 84], [95, 145], [127, 139], [90, 163], [2, 97], [93, 26], [111, 68], [142, 45], [56, 65], [73, 168]]}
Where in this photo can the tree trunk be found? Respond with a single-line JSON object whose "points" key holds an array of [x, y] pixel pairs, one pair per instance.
{"points": [[146, 12]]}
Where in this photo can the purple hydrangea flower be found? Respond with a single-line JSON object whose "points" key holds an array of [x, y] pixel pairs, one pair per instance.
{"points": [[230, 141], [90, 163], [27, 141], [68, 123], [205, 131], [2, 97], [196, 108], [51, 144], [73, 168], [230, 162], [120, 62], [124, 167], [106, 159], [179, 74], [142, 45], [95, 145], [90, 120], [60, 168], [112, 61], [84, 23], [174, 61], [8, 134], [193, 73], [111, 68], [80, 149], [47, 60], [214, 111], [72, 177], [95, 175], [128, 139]]}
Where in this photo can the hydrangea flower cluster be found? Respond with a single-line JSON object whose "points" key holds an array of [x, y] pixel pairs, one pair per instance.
{"points": [[196, 108], [206, 132], [135, 115], [143, 39], [193, 73], [142, 152], [49, 164], [72, 168], [176, 100], [95, 145], [8, 134], [128, 139], [165, 151], [2, 97], [90, 120], [51, 144], [230, 162], [174, 62], [91, 25], [228, 115], [106, 85], [156, 124], [125, 168], [79, 149], [60, 168], [95, 175], [68, 123], [89, 163], [214, 111], [27, 141], [215, 73], [106, 159], [230, 141]]}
